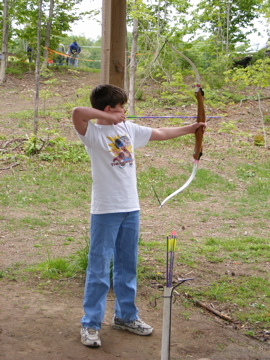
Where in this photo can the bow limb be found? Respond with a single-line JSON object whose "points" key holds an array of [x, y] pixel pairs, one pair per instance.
{"points": [[198, 80], [199, 132], [183, 187]]}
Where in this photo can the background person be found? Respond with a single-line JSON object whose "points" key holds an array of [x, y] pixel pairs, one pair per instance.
{"points": [[74, 50], [29, 52]]}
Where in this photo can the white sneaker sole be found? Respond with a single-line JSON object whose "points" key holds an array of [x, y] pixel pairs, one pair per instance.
{"points": [[130, 329], [94, 344]]}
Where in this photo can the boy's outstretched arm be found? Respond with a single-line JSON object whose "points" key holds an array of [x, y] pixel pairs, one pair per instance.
{"points": [[160, 134]]}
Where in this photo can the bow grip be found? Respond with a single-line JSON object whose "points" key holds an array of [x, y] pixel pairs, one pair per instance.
{"points": [[200, 118], [198, 145]]}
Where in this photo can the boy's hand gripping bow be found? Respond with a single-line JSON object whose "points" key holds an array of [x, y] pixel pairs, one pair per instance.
{"points": [[199, 132]]}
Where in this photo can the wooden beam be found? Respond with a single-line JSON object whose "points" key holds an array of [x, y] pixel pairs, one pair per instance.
{"points": [[113, 42]]}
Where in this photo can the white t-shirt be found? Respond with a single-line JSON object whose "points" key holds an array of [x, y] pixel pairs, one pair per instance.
{"points": [[111, 150]]}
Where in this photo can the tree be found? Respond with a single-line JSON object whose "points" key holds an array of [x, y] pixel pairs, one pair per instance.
{"points": [[266, 9], [37, 73], [131, 95], [135, 8], [227, 21], [152, 22], [4, 42], [48, 33]]}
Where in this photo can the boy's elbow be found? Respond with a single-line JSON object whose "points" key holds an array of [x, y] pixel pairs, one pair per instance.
{"points": [[75, 113], [76, 116], [79, 124]]}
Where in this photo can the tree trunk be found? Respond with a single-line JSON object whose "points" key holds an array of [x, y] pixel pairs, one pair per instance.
{"points": [[37, 68], [126, 82], [133, 65], [4, 43], [228, 26], [48, 34]]}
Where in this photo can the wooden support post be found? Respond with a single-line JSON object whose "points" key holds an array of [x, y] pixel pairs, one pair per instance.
{"points": [[166, 324], [113, 42]]}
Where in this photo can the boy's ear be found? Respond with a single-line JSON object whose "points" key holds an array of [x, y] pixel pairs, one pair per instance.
{"points": [[107, 108]]}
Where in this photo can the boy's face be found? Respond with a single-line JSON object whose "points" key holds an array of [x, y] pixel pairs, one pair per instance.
{"points": [[118, 108]]}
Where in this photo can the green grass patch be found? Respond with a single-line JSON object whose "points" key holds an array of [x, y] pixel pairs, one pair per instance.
{"points": [[22, 115], [246, 249], [164, 184], [52, 184], [256, 176], [250, 294], [56, 269]]}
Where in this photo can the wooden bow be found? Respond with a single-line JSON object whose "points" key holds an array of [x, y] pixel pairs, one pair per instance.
{"points": [[199, 132]]}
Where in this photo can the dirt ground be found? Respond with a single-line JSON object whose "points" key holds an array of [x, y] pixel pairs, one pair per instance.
{"points": [[42, 322]]}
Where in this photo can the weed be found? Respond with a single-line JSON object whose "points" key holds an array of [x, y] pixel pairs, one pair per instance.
{"points": [[259, 140], [55, 269], [81, 258], [266, 119], [227, 127]]}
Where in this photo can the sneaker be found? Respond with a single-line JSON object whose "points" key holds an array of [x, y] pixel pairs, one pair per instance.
{"points": [[90, 337], [137, 326]]}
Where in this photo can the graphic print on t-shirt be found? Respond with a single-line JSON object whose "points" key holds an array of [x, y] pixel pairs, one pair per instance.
{"points": [[121, 148]]}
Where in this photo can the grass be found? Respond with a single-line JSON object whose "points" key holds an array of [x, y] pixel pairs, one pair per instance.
{"points": [[56, 268], [56, 181], [222, 219]]}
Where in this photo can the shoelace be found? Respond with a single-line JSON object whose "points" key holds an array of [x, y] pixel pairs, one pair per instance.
{"points": [[91, 332]]}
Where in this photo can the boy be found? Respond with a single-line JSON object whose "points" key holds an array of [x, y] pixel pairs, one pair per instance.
{"points": [[114, 228]]}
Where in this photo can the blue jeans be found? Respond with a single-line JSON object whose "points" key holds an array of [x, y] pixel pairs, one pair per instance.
{"points": [[73, 60], [113, 237]]}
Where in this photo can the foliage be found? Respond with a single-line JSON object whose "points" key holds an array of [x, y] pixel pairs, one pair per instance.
{"points": [[226, 25], [33, 145], [259, 140], [81, 257], [160, 17], [56, 268], [226, 21], [227, 127], [266, 9], [172, 72], [25, 13], [60, 149], [17, 68], [176, 92], [258, 74], [50, 148]]}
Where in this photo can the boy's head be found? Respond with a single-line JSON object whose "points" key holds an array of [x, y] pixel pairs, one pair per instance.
{"points": [[104, 95]]}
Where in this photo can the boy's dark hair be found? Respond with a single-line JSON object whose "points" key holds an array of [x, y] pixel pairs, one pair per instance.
{"points": [[107, 94]]}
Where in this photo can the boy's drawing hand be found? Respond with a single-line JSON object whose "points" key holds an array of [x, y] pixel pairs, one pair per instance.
{"points": [[117, 117]]}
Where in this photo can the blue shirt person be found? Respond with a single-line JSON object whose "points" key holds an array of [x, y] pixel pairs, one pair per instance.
{"points": [[74, 50]]}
